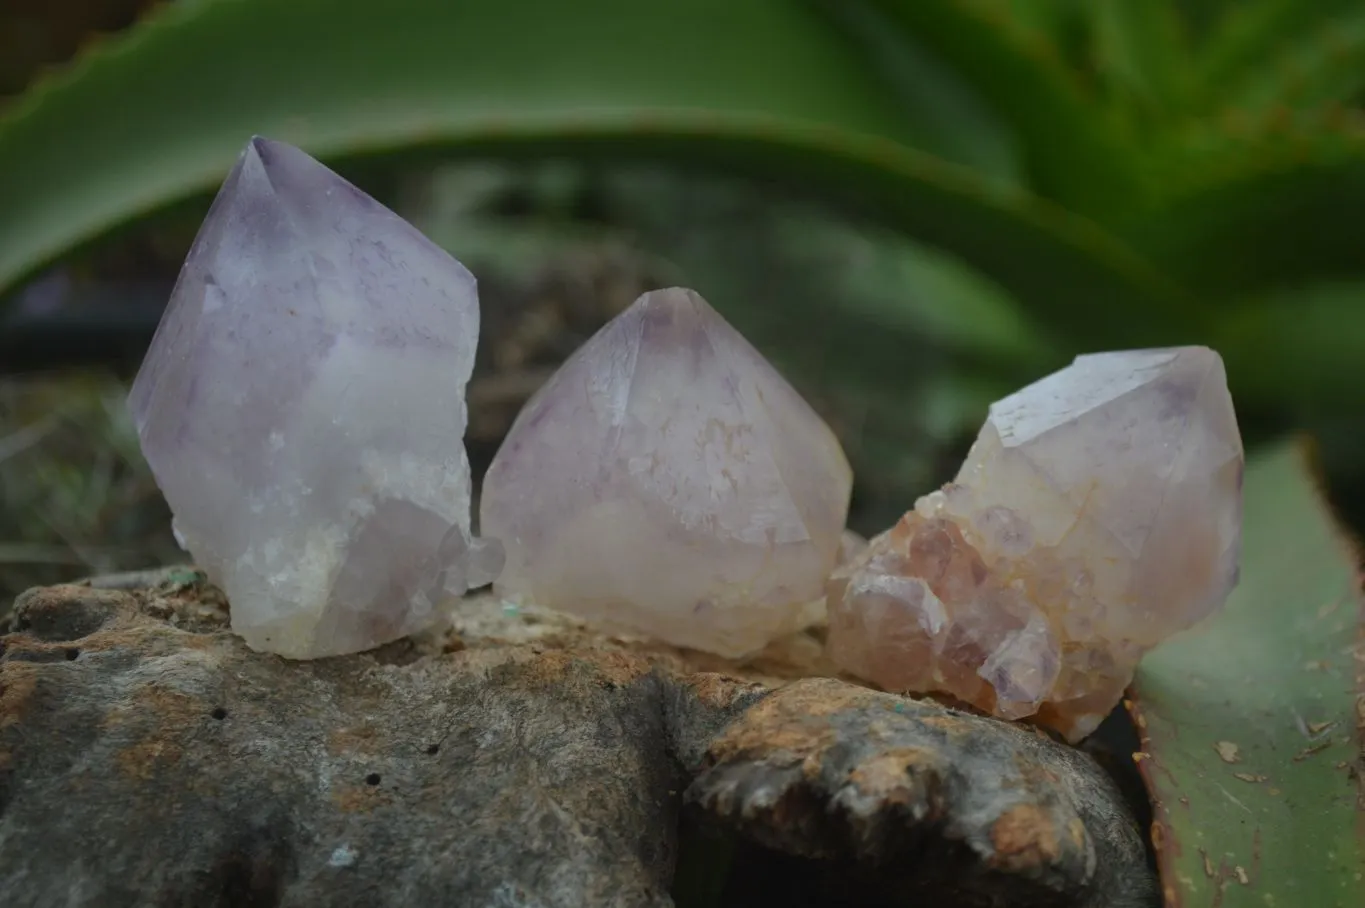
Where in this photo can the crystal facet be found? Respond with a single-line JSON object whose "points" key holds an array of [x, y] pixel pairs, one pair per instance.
{"points": [[1098, 513], [668, 480], [302, 408]]}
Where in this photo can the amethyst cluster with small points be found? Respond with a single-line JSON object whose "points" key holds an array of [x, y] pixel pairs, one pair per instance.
{"points": [[1098, 512]]}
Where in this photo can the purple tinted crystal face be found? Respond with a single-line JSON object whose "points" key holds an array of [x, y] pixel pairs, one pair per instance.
{"points": [[668, 480], [302, 407]]}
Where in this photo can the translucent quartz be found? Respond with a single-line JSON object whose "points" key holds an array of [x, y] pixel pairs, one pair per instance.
{"points": [[302, 408], [668, 480], [1098, 513]]}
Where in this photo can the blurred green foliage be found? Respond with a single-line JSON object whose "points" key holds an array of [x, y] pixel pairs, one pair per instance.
{"points": [[1115, 173], [913, 205]]}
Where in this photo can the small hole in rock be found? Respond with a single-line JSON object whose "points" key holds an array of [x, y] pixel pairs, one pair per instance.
{"points": [[433, 749], [219, 713], [372, 779], [72, 654]]}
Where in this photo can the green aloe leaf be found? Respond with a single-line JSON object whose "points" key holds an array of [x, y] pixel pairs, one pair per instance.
{"points": [[1252, 724], [1324, 67], [966, 128], [1315, 337], [1141, 53], [1258, 205], [1021, 72], [162, 110], [159, 115], [1250, 32]]}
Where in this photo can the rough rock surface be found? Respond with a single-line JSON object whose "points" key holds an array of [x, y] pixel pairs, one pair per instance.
{"points": [[148, 757]]}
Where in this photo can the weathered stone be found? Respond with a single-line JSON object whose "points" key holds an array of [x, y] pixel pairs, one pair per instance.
{"points": [[1098, 513], [302, 408], [518, 760], [668, 480], [938, 801]]}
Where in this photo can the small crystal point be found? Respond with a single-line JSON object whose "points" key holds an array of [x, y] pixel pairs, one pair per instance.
{"points": [[668, 480], [1098, 513], [302, 407]]}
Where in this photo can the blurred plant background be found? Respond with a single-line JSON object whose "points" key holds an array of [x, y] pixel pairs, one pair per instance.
{"points": [[913, 206]]}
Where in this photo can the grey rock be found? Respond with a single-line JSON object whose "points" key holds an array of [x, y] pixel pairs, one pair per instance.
{"points": [[516, 758]]}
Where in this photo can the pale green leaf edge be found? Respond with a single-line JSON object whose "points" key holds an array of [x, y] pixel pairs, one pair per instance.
{"points": [[1250, 808]]}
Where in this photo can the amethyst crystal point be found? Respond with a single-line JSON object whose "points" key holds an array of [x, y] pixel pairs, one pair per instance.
{"points": [[1098, 513], [302, 407], [668, 480]]}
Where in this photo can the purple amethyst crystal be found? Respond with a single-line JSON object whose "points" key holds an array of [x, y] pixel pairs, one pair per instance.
{"points": [[302, 407]]}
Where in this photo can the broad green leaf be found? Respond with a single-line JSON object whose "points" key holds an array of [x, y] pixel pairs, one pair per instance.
{"points": [[964, 128], [1303, 347], [1141, 54], [1201, 18], [164, 109], [1064, 24], [161, 113], [1252, 723], [1050, 17], [1073, 147], [1324, 67], [1251, 31], [1258, 206]]}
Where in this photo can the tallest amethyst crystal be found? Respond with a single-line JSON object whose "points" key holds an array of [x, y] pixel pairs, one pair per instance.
{"points": [[302, 407]]}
